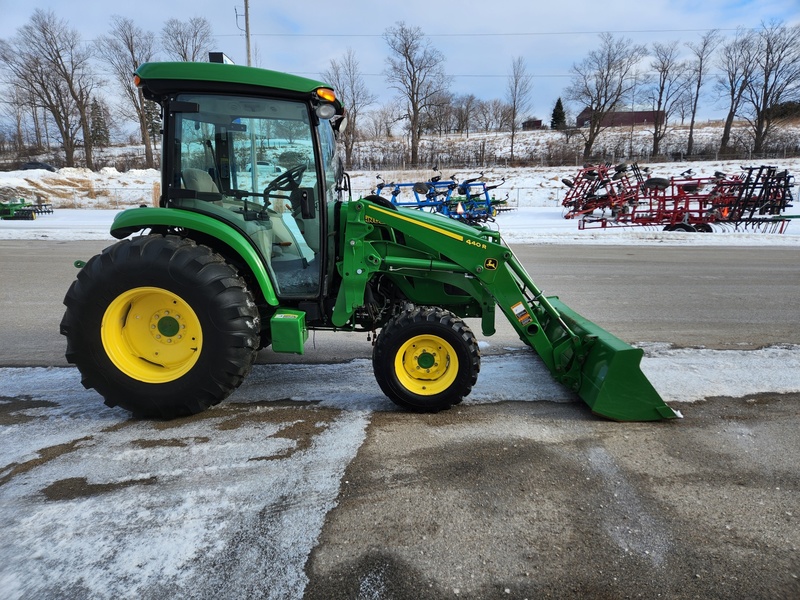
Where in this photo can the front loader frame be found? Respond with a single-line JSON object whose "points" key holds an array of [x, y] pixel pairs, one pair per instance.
{"points": [[602, 369]]}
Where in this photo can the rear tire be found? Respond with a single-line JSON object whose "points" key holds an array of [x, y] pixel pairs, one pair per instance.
{"points": [[426, 359], [160, 326]]}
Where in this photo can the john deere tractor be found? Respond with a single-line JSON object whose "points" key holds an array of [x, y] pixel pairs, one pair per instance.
{"points": [[253, 243]]}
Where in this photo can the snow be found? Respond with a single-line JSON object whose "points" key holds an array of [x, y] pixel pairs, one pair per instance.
{"points": [[86, 202], [247, 489], [132, 541]]}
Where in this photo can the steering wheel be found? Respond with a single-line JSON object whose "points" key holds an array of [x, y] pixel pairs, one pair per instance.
{"points": [[287, 181]]}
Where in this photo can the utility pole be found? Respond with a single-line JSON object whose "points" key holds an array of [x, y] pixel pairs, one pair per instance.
{"points": [[247, 30]]}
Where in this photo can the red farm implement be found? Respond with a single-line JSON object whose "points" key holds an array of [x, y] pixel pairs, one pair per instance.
{"points": [[623, 196]]}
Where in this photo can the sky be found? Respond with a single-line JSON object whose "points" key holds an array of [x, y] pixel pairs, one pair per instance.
{"points": [[478, 40]]}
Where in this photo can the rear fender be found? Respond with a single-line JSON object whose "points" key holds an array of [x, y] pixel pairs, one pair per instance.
{"points": [[131, 221]]}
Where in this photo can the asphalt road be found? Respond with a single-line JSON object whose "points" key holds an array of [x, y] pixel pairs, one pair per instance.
{"points": [[499, 500], [715, 297]]}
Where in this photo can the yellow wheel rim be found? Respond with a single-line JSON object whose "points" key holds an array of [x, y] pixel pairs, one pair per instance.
{"points": [[151, 335], [426, 365]]}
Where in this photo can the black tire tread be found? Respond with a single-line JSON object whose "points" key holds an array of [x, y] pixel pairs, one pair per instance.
{"points": [[393, 334], [186, 264], [381, 201]]}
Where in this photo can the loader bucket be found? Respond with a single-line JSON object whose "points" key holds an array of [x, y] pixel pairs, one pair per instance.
{"points": [[611, 381]]}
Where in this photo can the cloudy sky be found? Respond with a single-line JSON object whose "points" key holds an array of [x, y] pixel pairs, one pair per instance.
{"points": [[478, 39]]}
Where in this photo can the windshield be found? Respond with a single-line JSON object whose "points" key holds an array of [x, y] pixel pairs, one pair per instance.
{"points": [[243, 144], [251, 162]]}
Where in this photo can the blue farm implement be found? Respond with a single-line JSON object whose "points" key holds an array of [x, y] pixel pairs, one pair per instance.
{"points": [[468, 201]]}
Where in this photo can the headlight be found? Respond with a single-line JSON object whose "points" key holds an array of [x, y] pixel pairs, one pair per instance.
{"points": [[326, 111]]}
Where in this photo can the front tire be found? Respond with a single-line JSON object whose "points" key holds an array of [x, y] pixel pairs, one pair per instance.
{"points": [[426, 359], [160, 326]]}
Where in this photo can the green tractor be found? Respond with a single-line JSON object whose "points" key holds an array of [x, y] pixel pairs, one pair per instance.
{"points": [[252, 244]]}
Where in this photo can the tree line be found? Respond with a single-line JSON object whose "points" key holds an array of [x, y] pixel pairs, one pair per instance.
{"points": [[55, 93], [55, 82]]}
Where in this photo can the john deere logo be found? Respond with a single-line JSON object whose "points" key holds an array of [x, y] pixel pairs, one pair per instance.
{"points": [[490, 264]]}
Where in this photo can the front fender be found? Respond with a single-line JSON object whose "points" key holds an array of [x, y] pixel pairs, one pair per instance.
{"points": [[130, 221]]}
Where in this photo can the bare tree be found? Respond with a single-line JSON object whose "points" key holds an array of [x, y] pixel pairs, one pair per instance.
{"points": [[602, 80], [491, 115], [124, 50], [483, 116], [668, 83], [439, 117], [346, 79], [736, 61], [16, 108], [518, 91], [683, 107], [187, 41], [703, 50], [463, 107], [49, 61], [381, 120], [414, 69], [776, 78]]}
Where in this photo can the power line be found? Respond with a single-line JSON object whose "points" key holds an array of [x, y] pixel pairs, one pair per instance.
{"points": [[510, 34], [479, 76]]}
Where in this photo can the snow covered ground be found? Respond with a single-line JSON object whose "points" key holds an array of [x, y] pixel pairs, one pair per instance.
{"points": [[86, 202], [524, 225], [96, 505]]}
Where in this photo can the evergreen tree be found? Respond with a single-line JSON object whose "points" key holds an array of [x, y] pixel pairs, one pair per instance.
{"points": [[98, 115], [153, 115], [558, 120]]}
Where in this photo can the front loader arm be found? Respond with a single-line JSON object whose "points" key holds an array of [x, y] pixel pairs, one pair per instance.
{"points": [[488, 270], [411, 254], [602, 369]]}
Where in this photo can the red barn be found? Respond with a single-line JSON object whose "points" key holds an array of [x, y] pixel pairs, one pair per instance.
{"points": [[621, 118]]}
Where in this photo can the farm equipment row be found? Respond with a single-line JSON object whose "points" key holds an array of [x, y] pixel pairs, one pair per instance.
{"points": [[23, 211], [624, 195], [468, 201]]}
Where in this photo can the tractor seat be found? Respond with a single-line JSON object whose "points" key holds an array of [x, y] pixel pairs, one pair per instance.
{"points": [[199, 181]]}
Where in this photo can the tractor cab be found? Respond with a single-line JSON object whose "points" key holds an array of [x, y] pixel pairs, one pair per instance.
{"points": [[263, 163]]}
